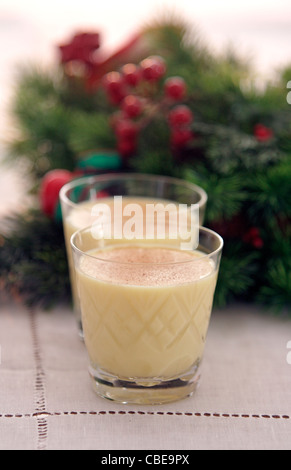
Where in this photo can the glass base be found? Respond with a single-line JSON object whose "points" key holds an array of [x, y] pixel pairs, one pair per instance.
{"points": [[145, 391]]}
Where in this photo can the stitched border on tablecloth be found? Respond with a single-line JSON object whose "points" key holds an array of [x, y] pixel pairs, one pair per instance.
{"points": [[45, 414], [39, 386]]}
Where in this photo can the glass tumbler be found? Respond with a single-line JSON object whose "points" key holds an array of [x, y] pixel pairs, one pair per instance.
{"points": [[145, 309], [79, 198]]}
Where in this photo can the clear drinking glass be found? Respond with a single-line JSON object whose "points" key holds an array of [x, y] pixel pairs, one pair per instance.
{"points": [[146, 307], [79, 197]]}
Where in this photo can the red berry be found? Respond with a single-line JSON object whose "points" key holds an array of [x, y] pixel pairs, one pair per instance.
{"points": [[253, 236], [50, 188], [263, 133], [180, 115], [113, 81], [175, 88], [131, 106], [257, 242], [131, 74], [126, 129], [102, 194], [115, 87], [254, 232], [153, 68], [126, 147], [181, 136]]}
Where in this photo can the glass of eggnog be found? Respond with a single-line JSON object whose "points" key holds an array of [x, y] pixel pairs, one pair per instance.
{"points": [[80, 197], [146, 305]]}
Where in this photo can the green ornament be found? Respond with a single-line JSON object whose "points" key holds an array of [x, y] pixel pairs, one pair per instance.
{"points": [[58, 213], [100, 160]]}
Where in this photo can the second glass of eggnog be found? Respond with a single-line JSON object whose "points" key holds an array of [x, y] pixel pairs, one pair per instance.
{"points": [[80, 197], [146, 307]]}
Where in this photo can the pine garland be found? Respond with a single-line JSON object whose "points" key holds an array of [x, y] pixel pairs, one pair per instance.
{"points": [[240, 154], [33, 262]]}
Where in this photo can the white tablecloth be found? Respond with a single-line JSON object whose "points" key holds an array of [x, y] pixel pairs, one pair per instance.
{"points": [[46, 399]]}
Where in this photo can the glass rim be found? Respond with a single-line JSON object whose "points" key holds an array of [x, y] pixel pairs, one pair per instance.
{"points": [[166, 263], [127, 175]]}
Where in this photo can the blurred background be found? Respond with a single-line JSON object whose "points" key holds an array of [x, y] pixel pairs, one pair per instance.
{"points": [[30, 30]]}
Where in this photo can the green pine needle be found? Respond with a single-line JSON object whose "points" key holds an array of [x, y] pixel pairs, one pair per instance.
{"points": [[33, 259]]}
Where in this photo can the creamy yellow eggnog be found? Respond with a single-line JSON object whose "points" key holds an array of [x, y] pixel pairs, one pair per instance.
{"points": [[145, 308]]}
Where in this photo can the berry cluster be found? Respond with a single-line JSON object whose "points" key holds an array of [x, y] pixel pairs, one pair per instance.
{"points": [[133, 89]]}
